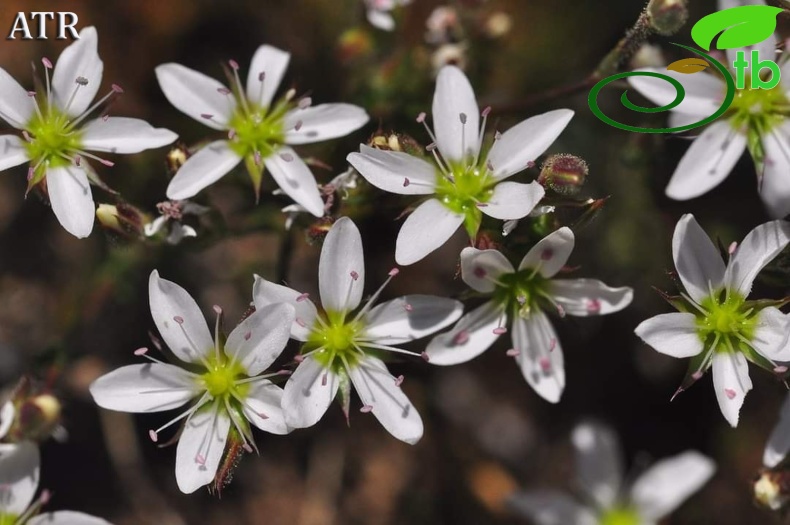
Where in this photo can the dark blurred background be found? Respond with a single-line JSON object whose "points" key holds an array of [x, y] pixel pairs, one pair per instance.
{"points": [[73, 309]]}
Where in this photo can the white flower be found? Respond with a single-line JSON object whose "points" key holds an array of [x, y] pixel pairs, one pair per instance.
{"points": [[172, 212], [19, 477], [716, 326], [341, 346], [378, 12], [756, 120], [655, 494], [7, 415], [260, 132], [463, 185], [56, 143], [224, 378], [518, 299]]}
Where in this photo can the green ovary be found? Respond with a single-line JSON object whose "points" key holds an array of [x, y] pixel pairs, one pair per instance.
{"points": [[470, 186], [256, 129], [620, 516], [730, 321], [338, 339], [53, 141], [221, 377], [759, 110], [8, 519], [520, 292]]}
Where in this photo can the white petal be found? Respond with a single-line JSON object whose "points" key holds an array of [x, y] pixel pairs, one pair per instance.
{"points": [[778, 444], [341, 268], [263, 407], [480, 269], [551, 508], [707, 162], [426, 229], [513, 200], [7, 415], [71, 198], [323, 122], [526, 141], [202, 169], [394, 171], [308, 394], [200, 447], [453, 97], [188, 338], [731, 383], [378, 389], [674, 334], [16, 106], [585, 297], [155, 226], [295, 179], [66, 517], [668, 483], [758, 249], [265, 293], [19, 475], [540, 355], [703, 91], [12, 151], [411, 317], [272, 62], [150, 387], [697, 261], [469, 338], [771, 334], [775, 180], [260, 339], [550, 253], [79, 59], [196, 95], [124, 135], [599, 464], [677, 120], [381, 20]]}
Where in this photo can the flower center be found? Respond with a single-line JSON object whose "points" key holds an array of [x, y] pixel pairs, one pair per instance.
{"points": [[220, 380], [760, 110], [8, 519], [52, 140], [257, 132], [334, 342], [730, 321], [620, 516], [470, 187], [520, 291]]}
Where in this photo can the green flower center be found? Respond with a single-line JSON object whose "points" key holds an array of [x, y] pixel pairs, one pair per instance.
{"points": [[470, 187], [759, 110], [221, 379], [521, 291], [335, 341], [620, 516], [8, 519], [53, 141], [727, 323], [256, 130]]}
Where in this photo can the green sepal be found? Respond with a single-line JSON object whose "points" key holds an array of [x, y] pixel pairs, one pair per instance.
{"points": [[472, 220], [231, 458], [694, 365], [676, 301], [344, 393], [256, 175]]}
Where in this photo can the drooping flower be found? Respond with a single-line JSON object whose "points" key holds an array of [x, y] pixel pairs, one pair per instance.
{"points": [[223, 376], [716, 325], [170, 219], [518, 300], [19, 477], [260, 131], [379, 12], [464, 182], [56, 143], [756, 121], [341, 347], [655, 494]]}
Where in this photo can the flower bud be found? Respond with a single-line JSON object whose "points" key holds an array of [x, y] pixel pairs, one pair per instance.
{"points": [[498, 25], [354, 44], [772, 488], [176, 158], [666, 17], [564, 174], [37, 417], [121, 218]]}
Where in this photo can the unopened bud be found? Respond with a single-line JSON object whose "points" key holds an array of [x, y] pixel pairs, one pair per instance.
{"points": [[37, 417], [563, 173], [772, 488], [666, 17], [121, 218], [498, 25], [176, 158]]}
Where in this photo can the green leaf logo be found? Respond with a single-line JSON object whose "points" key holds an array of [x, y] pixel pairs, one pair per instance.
{"points": [[742, 26]]}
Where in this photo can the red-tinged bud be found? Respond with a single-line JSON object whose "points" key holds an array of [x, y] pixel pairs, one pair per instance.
{"points": [[176, 157], [564, 174], [123, 219]]}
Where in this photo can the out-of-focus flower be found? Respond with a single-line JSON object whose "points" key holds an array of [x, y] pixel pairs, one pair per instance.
{"points": [[449, 55], [260, 131], [756, 120], [7, 413], [498, 24], [224, 375], [341, 346], [442, 25], [715, 325], [772, 485], [379, 12], [56, 143], [518, 300], [172, 213], [463, 185], [19, 477], [655, 494]]}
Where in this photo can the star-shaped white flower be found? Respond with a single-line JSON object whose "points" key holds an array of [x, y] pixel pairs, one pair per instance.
{"points": [[224, 379], [462, 184], [172, 213], [756, 120], [716, 326], [19, 477], [342, 346], [260, 130], [518, 300], [379, 12], [655, 494], [56, 143]]}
